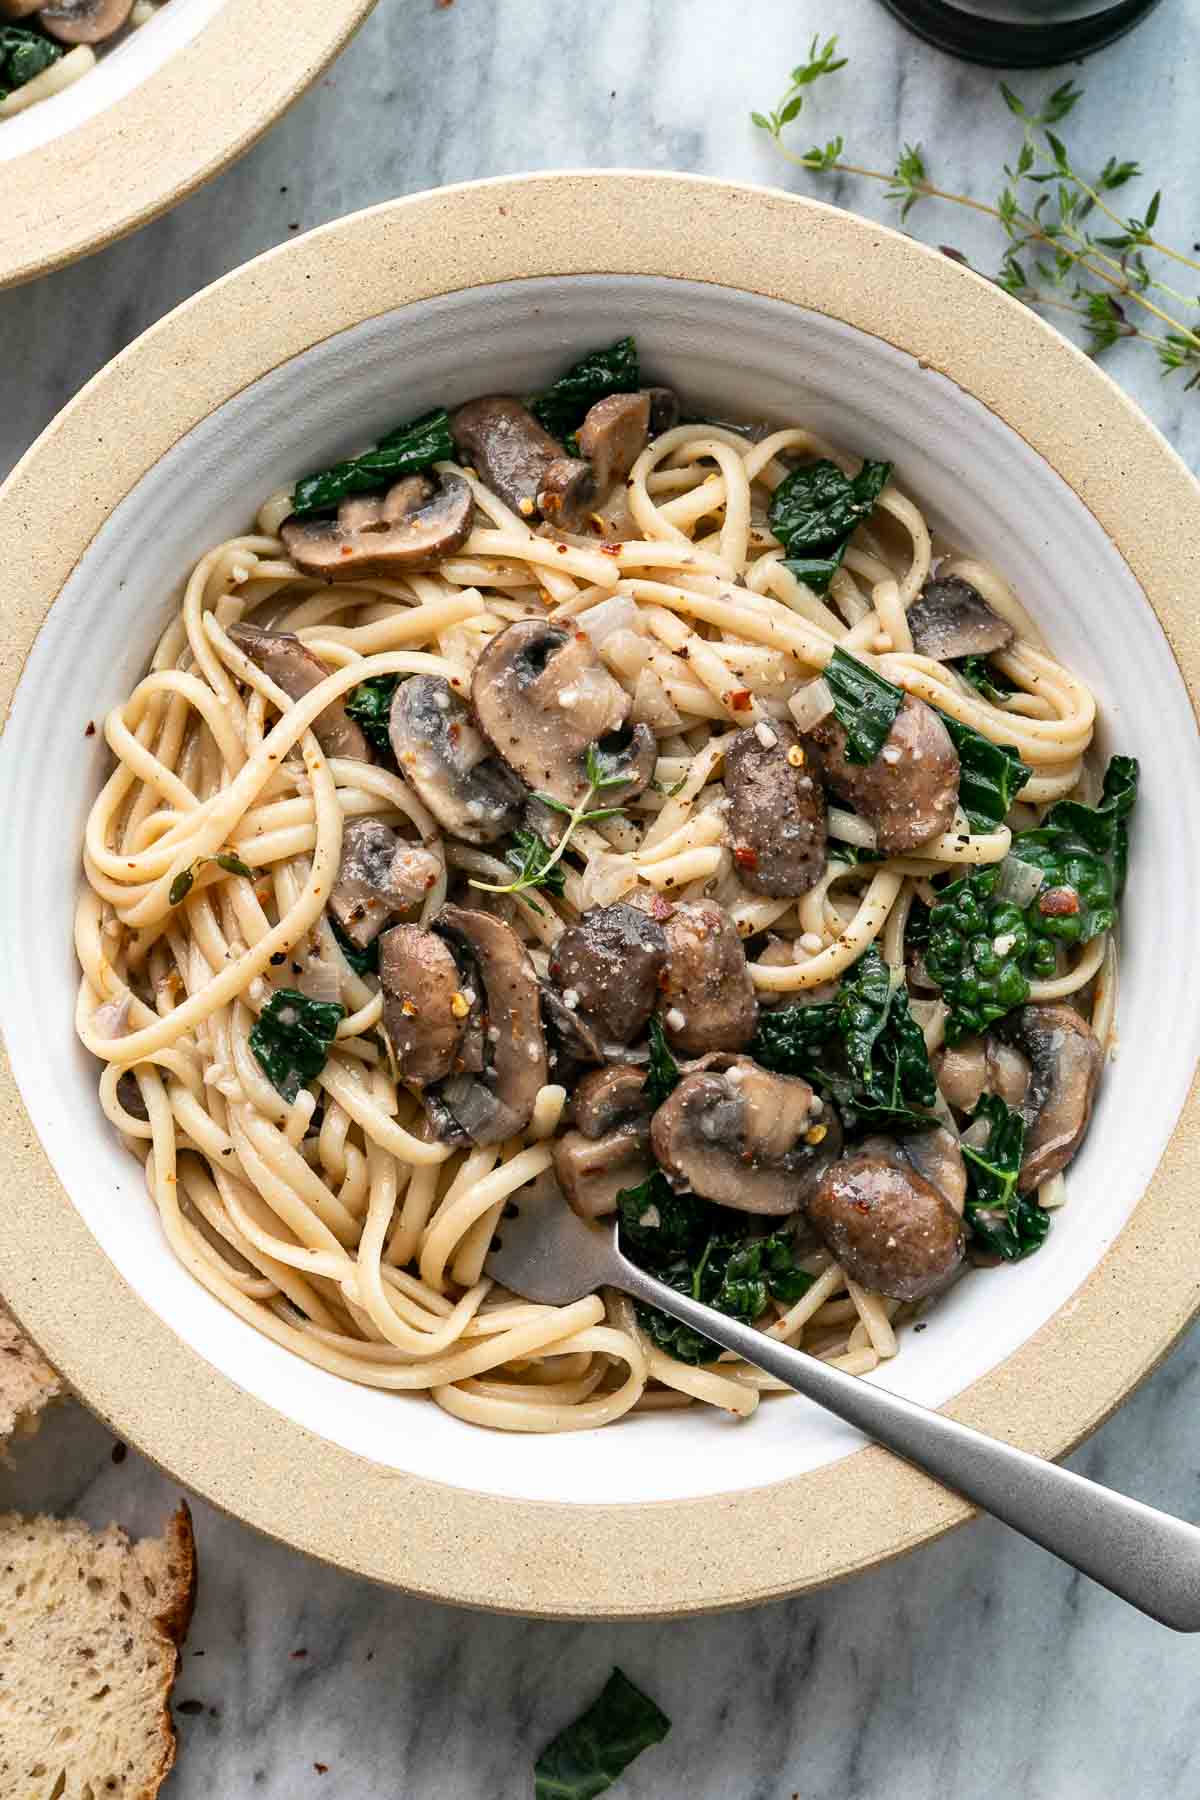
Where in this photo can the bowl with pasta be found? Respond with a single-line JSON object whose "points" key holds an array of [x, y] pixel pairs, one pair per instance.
{"points": [[685, 712], [92, 93]]}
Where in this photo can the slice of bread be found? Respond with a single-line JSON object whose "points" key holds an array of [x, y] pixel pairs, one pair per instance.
{"points": [[90, 1629], [27, 1384]]}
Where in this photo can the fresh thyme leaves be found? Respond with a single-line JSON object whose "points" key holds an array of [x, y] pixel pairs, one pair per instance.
{"points": [[233, 865], [587, 1757], [291, 1038], [185, 881], [1067, 247], [538, 863]]}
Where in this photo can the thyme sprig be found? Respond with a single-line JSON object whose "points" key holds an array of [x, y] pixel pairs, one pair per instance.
{"points": [[1058, 254], [536, 861]]}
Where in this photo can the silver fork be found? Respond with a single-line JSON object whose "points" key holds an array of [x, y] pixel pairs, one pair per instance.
{"points": [[547, 1253]]}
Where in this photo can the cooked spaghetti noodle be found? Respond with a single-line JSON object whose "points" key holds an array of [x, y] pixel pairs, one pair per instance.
{"points": [[336, 1220]]}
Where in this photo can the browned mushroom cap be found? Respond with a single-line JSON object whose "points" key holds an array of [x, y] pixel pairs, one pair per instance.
{"points": [[424, 1013], [610, 1148], [1064, 1066], [498, 1102], [910, 792], [295, 669], [707, 998], [413, 525], [613, 436], [468, 790], [379, 875], [893, 1231], [607, 969], [521, 463], [776, 812], [545, 699], [570, 1038], [747, 1139], [84, 21], [951, 618], [935, 1155]]}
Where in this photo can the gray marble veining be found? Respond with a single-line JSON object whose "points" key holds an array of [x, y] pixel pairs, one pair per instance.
{"points": [[976, 1668]]}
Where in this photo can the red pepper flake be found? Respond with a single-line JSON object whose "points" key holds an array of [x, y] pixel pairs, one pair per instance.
{"points": [[745, 857], [740, 699], [299, 1655], [91, 728], [610, 549], [323, 1768], [1059, 903], [562, 549], [346, 549]]}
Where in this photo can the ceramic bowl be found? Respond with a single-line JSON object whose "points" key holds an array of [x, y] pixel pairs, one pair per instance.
{"points": [[168, 107], [748, 302]]}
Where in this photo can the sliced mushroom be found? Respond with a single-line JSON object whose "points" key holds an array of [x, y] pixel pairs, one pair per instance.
{"points": [[468, 790], [413, 525], [521, 463], [21, 9], [607, 969], [609, 1149], [962, 1073], [664, 409], [379, 875], [129, 1094], [706, 1001], [936, 1155], [776, 812], [951, 618], [545, 699], [84, 21], [497, 1102], [1064, 1060], [613, 436], [910, 792], [295, 669], [892, 1230], [424, 1011], [747, 1139], [571, 1038]]}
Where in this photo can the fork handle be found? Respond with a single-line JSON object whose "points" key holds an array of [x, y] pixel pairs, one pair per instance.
{"points": [[1146, 1557]]}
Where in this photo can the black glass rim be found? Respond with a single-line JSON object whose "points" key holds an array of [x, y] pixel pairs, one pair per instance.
{"points": [[1004, 45]]}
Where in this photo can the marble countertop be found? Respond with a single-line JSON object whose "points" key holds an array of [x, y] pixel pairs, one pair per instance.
{"points": [[976, 1668]]}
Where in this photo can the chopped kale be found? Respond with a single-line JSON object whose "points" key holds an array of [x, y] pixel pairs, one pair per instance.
{"points": [[562, 408], [587, 1757], [291, 1038], [815, 510], [405, 451], [23, 54], [990, 775], [704, 1251], [370, 706], [664, 1070], [1001, 1220], [984, 677], [863, 1047], [864, 704]]}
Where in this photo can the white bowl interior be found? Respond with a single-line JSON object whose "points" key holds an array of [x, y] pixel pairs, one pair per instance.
{"points": [[737, 354], [118, 71]]}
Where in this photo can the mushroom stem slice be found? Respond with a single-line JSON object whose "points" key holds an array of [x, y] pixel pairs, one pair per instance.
{"points": [[522, 464], [613, 436], [413, 525], [294, 668], [498, 1102], [469, 791], [423, 1011]]}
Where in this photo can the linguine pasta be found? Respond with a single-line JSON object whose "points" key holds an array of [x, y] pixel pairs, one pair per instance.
{"points": [[337, 1222]]}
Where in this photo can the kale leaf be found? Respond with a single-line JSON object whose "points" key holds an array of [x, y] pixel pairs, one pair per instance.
{"points": [[291, 1038], [983, 677], [1001, 1220], [864, 704], [1104, 828], [370, 706], [587, 1757], [663, 1070], [703, 1250], [562, 408], [864, 1047], [363, 962], [990, 775], [405, 451], [815, 510], [23, 54]]}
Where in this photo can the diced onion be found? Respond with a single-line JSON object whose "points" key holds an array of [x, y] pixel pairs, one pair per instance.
{"points": [[617, 614], [652, 704], [1020, 882], [319, 980], [811, 703], [627, 652]]}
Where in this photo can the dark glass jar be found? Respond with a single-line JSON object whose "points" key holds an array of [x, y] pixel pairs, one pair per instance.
{"points": [[1019, 34]]}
